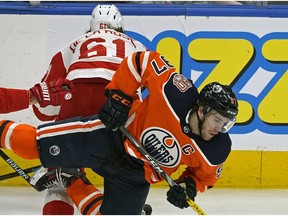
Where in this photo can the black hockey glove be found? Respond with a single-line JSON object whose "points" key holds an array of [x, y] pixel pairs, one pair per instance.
{"points": [[177, 194], [114, 112]]}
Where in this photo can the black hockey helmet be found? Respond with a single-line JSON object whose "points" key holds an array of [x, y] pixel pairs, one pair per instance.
{"points": [[221, 98]]}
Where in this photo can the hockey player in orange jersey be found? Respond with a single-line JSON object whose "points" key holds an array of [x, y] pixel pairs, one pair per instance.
{"points": [[175, 124]]}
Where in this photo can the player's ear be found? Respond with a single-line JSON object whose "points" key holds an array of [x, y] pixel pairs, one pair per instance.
{"points": [[200, 111]]}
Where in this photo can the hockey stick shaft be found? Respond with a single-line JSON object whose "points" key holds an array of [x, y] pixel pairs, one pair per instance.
{"points": [[158, 169], [16, 174], [12, 164]]}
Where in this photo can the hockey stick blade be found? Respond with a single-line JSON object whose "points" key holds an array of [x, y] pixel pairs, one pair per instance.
{"points": [[157, 167]]}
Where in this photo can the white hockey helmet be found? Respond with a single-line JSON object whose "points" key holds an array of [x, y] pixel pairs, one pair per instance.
{"points": [[106, 17]]}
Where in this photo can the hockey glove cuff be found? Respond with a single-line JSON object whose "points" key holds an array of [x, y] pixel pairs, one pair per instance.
{"points": [[178, 194], [114, 112], [52, 93]]}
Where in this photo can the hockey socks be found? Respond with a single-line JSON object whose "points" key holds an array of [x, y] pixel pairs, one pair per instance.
{"points": [[85, 196], [20, 138], [57, 203]]}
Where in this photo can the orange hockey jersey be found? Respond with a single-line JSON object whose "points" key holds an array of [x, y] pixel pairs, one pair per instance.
{"points": [[160, 122]]}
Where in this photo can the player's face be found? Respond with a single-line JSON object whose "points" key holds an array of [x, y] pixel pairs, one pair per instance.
{"points": [[212, 125]]}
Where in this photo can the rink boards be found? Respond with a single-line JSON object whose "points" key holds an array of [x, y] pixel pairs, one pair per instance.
{"points": [[243, 169]]}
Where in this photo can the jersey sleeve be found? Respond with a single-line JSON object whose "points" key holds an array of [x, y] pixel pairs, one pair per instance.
{"points": [[55, 70], [148, 69], [140, 47], [12, 100], [205, 177]]}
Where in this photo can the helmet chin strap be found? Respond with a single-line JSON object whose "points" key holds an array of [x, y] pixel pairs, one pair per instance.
{"points": [[200, 122]]}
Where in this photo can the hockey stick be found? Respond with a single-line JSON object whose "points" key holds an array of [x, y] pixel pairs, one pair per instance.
{"points": [[156, 166], [16, 174], [12, 164]]}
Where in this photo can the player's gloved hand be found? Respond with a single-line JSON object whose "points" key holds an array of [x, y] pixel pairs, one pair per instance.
{"points": [[52, 93], [114, 112], [177, 194]]}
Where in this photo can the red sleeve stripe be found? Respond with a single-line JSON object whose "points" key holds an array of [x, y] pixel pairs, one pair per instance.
{"points": [[94, 64]]}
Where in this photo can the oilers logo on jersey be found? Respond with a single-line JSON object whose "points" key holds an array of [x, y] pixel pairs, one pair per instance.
{"points": [[162, 146]]}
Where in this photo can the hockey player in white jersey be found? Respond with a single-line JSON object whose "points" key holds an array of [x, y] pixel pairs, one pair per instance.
{"points": [[86, 65]]}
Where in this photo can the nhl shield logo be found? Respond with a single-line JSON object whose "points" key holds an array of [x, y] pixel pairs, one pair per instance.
{"points": [[54, 150]]}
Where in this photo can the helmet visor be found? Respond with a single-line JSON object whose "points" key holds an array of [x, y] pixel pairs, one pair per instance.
{"points": [[227, 126]]}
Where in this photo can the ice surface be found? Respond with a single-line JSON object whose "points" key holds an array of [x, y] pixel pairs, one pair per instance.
{"points": [[26, 201]]}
